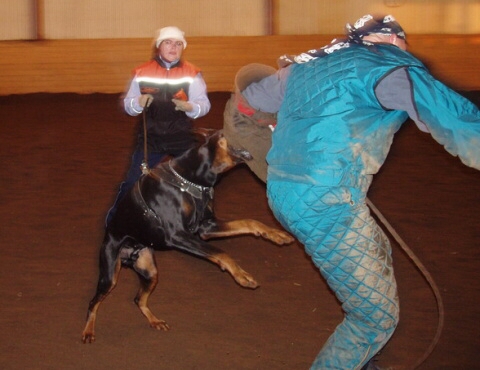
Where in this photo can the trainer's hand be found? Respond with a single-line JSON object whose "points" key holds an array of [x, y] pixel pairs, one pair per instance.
{"points": [[145, 100], [184, 106]]}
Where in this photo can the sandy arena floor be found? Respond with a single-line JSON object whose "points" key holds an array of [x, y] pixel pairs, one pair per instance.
{"points": [[62, 158]]}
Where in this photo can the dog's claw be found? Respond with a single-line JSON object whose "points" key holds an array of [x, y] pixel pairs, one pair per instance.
{"points": [[88, 338]]}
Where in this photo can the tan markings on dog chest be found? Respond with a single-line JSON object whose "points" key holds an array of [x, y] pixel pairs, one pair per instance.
{"points": [[187, 208]]}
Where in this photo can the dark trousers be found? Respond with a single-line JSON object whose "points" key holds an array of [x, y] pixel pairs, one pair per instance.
{"points": [[133, 175]]}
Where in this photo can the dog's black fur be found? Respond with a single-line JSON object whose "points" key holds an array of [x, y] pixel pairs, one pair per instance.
{"points": [[172, 207]]}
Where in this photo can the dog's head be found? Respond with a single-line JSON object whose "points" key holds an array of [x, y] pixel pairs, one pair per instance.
{"points": [[214, 146], [225, 156], [211, 157]]}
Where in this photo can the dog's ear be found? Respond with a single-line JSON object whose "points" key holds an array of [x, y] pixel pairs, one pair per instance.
{"points": [[201, 133]]}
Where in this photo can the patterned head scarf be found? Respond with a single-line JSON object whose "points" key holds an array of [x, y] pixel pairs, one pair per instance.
{"points": [[368, 24], [355, 33]]}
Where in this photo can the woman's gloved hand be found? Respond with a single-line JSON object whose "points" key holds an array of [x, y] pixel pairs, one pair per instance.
{"points": [[145, 100], [184, 106]]}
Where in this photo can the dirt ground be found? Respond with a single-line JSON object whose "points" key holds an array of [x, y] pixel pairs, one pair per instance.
{"points": [[62, 158]]}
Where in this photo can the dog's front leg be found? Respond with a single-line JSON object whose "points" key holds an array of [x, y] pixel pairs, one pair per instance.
{"points": [[227, 263], [217, 256], [219, 229]]}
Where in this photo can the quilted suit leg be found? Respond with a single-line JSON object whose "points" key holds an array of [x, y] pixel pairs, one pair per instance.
{"points": [[354, 256]]}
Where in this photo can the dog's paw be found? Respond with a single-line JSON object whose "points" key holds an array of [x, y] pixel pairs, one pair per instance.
{"points": [[246, 280], [278, 236], [159, 325], [88, 337]]}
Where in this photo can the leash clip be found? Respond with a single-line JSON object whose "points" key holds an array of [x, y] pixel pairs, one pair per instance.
{"points": [[144, 168]]}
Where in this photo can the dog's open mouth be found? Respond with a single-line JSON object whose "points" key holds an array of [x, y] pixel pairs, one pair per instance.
{"points": [[239, 154]]}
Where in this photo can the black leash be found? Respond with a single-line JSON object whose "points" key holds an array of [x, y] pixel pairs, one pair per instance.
{"points": [[144, 165], [427, 276]]}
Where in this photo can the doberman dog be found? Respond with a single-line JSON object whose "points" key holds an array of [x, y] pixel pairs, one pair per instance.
{"points": [[171, 207]]}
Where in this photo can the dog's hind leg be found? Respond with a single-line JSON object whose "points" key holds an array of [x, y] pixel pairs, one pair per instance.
{"points": [[110, 266], [146, 269]]}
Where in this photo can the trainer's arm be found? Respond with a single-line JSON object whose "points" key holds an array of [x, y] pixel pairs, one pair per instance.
{"points": [[131, 100], [452, 120], [198, 98], [267, 94]]}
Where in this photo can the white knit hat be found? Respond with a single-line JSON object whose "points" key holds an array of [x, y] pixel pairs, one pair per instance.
{"points": [[174, 33]]}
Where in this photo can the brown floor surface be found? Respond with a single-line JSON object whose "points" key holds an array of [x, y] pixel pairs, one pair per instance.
{"points": [[62, 158]]}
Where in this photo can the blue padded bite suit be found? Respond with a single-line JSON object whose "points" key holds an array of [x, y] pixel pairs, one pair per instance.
{"points": [[332, 136]]}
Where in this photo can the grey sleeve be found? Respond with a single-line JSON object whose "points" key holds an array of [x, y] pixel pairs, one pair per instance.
{"points": [[267, 94], [395, 91]]}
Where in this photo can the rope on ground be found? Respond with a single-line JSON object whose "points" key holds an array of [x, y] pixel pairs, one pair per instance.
{"points": [[428, 277]]}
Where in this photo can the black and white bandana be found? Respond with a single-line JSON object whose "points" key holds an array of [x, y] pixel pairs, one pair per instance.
{"points": [[364, 26]]}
